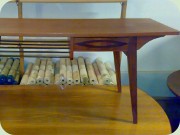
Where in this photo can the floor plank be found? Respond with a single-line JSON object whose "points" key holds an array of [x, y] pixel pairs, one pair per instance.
{"points": [[78, 110]]}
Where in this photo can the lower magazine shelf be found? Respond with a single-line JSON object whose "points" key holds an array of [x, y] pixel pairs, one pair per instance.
{"points": [[62, 72]]}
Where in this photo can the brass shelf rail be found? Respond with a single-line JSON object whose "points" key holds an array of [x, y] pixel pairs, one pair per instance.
{"points": [[35, 48]]}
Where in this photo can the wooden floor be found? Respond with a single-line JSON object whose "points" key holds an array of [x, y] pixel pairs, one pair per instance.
{"points": [[89, 110]]}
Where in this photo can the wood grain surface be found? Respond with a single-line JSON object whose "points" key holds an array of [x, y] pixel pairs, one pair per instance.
{"points": [[173, 82], [78, 110], [84, 27]]}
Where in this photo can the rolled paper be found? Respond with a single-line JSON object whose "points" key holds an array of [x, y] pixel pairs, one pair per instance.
{"points": [[76, 77], [42, 67], [83, 73], [92, 77], [29, 68], [50, 67], [69, 72], [43, 62], [47, 73], [52, 79], [69, 78], [103, 71], [17, 77], [57, 65], [9, 61], [57, 75], [12, 72], [15, 64], [62, 71], [111, 73], [36, 65], [11, 76], [18, 70], [75, 71], [49, 63], [4, 60], [34, 74], [5, 71], [62, 76], [3, 76], [47, 77], [24, 79], [31, 81], [2, 64], [68, 64], [49, 59], [57, 79], [91, 73], [9, 64], [40, 77], [37, 61], [98, 75], [32, 77]]}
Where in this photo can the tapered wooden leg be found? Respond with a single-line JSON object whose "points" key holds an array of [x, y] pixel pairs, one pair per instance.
{"points": [[132, 67], [117, 61], [71, 55]]}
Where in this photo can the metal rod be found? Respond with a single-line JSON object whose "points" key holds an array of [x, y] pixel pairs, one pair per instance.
{"points": [[43, 41], [36, 56], [33, 44], [34, 51], [40, 47]]}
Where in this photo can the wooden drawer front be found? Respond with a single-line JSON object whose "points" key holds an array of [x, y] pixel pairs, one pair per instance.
{"points": [[100, 44]]}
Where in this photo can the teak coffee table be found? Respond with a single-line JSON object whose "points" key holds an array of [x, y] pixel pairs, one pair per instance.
{"points": [[116, 35], [173, 82]]}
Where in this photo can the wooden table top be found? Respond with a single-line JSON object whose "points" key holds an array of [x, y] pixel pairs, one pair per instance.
{"points": [[173, 82], [78, 110], [84, 27]]}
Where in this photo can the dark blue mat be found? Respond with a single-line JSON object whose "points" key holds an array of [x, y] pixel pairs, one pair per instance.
{"points": [[172, 108]]}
